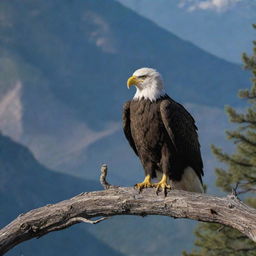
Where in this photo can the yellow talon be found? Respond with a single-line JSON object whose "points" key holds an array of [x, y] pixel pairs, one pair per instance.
{"points": [[145, 184], [162, 184]]}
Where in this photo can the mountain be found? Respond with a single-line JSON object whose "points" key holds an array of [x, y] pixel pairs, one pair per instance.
{"points": [[78, 50], [220, 27], [26, 184], [64, 66]]}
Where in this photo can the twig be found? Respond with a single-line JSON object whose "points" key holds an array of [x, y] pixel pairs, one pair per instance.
{"points": [[237, 192], [234, 189], [103, 176], [75, 220], [221, 228]]}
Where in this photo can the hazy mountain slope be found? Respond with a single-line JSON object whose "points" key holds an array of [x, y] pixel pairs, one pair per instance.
{"points": [[88, 48], [149, 236], [220, 27], [25, 184], [66, 63]]}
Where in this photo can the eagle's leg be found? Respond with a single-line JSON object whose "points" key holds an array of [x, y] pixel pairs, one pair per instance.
{"points": [[165, 167], [162, 184], [145, 184]]}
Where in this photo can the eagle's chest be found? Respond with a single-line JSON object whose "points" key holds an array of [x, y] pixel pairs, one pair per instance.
{"points": [[146, 124]]}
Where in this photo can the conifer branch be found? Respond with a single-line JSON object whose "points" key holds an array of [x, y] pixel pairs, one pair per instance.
{"points": [[240, 137]]}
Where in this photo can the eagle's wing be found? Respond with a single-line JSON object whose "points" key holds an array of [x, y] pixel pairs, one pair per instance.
{"points": [[127, 126], [181, 128]]}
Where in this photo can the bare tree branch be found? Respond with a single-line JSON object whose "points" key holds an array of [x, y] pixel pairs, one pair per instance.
{"points": [[229, 211]]}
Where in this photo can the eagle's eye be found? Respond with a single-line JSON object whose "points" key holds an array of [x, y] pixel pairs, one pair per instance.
{"points": [[142, 77]]}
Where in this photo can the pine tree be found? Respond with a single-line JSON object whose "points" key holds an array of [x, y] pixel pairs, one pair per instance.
{"points": [[240, 172]]}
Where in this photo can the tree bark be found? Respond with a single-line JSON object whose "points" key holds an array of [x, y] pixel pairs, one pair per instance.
{"points": [[229, 211]]}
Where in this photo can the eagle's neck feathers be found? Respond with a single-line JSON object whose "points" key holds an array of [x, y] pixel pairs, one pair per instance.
{"points": [[152, 92]]}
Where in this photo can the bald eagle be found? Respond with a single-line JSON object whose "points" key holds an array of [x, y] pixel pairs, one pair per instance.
{"points": [[163, 134]]}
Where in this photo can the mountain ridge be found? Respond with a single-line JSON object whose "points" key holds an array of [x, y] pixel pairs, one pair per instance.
{"points": [[26, 184], [223, 30]]}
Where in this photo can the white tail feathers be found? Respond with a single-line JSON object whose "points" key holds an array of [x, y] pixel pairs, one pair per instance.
{"points": [[189, 181]]}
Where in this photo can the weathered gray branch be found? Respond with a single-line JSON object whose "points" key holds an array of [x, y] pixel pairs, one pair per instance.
{"points": [[228, 211]]}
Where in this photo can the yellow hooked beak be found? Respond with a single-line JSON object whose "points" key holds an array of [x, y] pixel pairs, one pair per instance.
{"points": [[133, 80]]}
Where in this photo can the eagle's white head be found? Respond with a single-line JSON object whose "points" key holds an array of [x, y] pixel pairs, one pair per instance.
{"points": [[148, 82]]}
